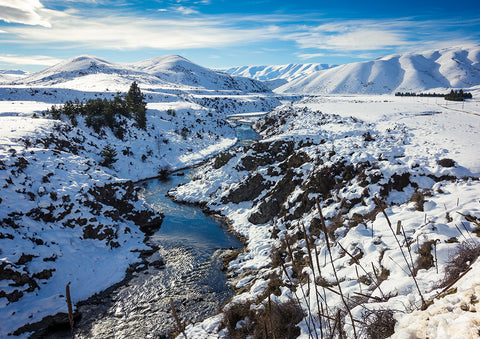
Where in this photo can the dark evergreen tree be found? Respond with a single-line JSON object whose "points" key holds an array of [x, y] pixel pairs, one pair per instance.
{"points": [[100, 113], [109, 156], [137, 105]]}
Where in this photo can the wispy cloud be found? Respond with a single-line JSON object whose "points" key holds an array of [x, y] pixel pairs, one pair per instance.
{"points": [[313, 35], [186, 10], [27, 12], [307, 56], [353, 35], [40, 60], [360, 38], [118, 32], [357, 40]]}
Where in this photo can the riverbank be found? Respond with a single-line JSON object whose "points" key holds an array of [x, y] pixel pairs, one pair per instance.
{"points": [[63, 213], [269, 191], [106, 306]]}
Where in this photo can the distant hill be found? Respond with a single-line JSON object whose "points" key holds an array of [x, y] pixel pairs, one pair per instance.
{"points": [[176, 69], [12, 74], [276, 75], [89, 71], [455, 67]]}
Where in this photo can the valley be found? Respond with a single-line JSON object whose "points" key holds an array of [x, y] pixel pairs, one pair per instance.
{"points": [[350, 206]]}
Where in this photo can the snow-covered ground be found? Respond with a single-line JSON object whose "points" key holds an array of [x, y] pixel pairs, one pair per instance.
{"points": [[64, 217], [345, 151]]}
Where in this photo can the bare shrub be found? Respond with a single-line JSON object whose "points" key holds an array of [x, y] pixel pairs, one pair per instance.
{"points": [[425, 259], [163, 172], [279, 320], [465, 254], [275, 320], [234, 314], [419, 199], [379, 323]]}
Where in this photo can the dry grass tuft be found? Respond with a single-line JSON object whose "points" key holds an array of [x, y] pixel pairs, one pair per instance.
{"points": [[379, 323], [275, 320], [425, 259], [461, 260]]}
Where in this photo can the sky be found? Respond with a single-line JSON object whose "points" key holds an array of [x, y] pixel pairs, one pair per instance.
{"points": [[35, 34]]}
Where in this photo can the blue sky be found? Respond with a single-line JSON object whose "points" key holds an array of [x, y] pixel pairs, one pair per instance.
{"points": [[35, 34]]}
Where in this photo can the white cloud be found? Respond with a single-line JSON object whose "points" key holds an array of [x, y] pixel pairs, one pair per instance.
{"points": [[186, 10], [350, 37], [126, 33], [359, 35], [27, 12], [81, 27], [307, 56], [38, 60]]}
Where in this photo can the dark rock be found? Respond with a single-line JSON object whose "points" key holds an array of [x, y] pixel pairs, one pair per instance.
{"points": [[24, 258], [8, 272], [446, 162], [45, 274], [158, 264], [12, 297], [267, 153], [271, 204], [248, 190], [99, 232], [56, 325]]}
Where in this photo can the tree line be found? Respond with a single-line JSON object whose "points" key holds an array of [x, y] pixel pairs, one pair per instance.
{"points": [[413, 94], [459, 95], [100, 113]]}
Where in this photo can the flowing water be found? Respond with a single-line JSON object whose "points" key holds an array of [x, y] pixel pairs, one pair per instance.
{"points": [[186, 268]]}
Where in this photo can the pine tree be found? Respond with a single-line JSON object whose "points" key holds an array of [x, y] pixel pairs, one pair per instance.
{"points": [[137, 105], [108, 155]]}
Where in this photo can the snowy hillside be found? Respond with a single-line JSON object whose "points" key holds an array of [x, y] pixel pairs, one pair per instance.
{"points": [[288, 72], [62, 209], [87, 72], [276, 75], [455, 67], [74, 68], [178, 70], [10, 75], [409, 155]]}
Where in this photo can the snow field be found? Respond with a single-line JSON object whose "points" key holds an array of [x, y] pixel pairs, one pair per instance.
{"points": [[406, 143]]}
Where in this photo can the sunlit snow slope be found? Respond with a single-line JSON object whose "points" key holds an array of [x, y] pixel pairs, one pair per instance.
{"points": [[454, 67], [277, 75], [170, 70]]}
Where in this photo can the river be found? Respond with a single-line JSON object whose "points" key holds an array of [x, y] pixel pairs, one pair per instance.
{"points": [[185, 266]]}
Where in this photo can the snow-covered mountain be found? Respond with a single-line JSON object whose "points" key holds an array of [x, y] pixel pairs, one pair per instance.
{"points": [[287, 72], [454, 67], [171, 70], [176, 69], [73, 68], [12, 74], [276, 75]]}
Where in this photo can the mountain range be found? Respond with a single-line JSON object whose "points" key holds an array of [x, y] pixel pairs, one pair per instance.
{"points": [[277, 75], [167, 71], [434, 70], [455, 67]]}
